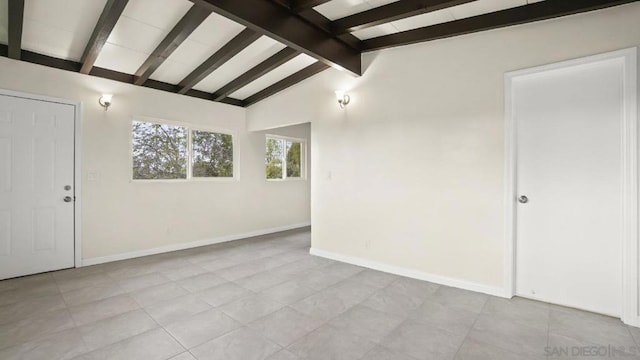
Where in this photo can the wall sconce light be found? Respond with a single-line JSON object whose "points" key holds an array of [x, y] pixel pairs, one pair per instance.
{"points": [[105, 101], [343, 99]]}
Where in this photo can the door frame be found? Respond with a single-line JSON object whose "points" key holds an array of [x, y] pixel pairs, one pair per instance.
{"points": [[629, 157], [77, 163]]}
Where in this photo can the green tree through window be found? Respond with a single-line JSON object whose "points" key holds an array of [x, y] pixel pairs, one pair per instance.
{"points": [[293, 159], [274, 158], [159, 151], [283, 158], [162, 151], [212, 154]]}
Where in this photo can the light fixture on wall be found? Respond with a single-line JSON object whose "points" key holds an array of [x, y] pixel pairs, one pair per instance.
{"points": [[105, 101], [343, 99]]}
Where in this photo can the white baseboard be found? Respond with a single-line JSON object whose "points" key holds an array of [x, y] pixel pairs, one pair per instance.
{"points": [[415, 274], [631, 320], [189, 245]]}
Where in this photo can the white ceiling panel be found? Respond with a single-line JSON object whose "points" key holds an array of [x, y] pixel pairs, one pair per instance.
{"points": [[186, 58], [251, 56], [215, 31], [340, 8], [197, 48], [480, 7], [160, 14], [135, 35], [375, 31], [119, 58], [4, 22], [138, 32], [189, 55], [69, 15], [474, 8], [51, 41], [428, 19], [171, 72], [292, 66], [60, 29]]}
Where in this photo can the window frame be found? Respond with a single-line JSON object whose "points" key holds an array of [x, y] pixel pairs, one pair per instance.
{"points": [[189, 127], [303, 157]]}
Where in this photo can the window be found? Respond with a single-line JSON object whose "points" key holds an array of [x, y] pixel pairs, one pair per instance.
{"points": [[159, 151], [284, 158], [173, 152], [212, 154]]}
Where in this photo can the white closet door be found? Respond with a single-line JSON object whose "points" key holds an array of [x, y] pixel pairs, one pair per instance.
{"points": [[569, 232], [36, 186]]}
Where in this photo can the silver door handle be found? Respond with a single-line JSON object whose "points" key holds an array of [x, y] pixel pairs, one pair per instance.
{"points": [[68, 199], [523, 199]]}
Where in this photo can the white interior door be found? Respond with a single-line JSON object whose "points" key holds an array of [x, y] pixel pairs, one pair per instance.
{"points": [[36, 174], [569, 144]]}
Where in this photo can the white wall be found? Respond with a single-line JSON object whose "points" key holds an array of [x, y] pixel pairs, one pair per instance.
{"points": [[121, 216], [410, 175]]}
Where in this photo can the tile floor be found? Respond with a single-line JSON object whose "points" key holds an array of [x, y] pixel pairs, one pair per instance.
{"points": [[267, 298]]}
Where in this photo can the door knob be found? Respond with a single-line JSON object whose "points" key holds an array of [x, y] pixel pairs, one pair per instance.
{"points": [[523, 199], [67, 199]]}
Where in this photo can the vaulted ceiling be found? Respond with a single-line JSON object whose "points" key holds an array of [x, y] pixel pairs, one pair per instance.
{"points": [[242, 51]]}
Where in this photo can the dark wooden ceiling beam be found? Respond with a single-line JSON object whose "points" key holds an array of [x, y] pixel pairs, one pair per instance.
{"points": [[320, 21], [394, 11], [286, 82], [257, 71], [301, 5], [285, 3], [68, 65], [544, 10], [107, 21], [189, 22], [275, 21], [16, 19], [323, 23], [229, 50]]}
